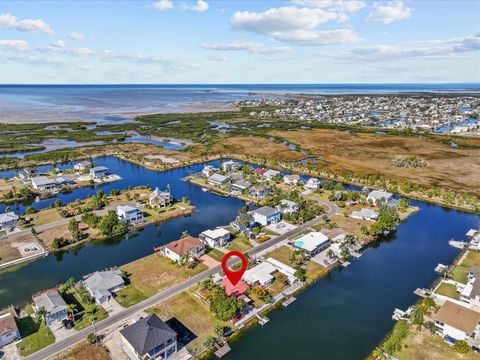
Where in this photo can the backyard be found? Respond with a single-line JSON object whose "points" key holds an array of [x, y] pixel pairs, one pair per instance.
{"points": [[35, 336]]}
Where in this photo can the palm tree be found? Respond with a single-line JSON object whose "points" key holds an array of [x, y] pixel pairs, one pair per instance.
{"points": [[40, 315], [71, 310]]}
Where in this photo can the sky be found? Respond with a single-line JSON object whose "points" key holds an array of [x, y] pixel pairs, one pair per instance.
{"points": [[213, 41]]}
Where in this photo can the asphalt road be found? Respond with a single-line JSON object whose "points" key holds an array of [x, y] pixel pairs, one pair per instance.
{"points": [[76, 337]]}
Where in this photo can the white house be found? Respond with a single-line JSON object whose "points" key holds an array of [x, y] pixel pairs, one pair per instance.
{"points": [[291, 179], [209, 170], [160, 198], [287, 207], [8, 330], [470, 294], [285, 269], [102, 284], [365, 214], [98, 172], [130, 214], [187, 246], [230, 166], [53, 304], [312, 184], [270, 174], [8, 221], [379, 196], [43, 183], [82, 165], [313, 242], [266, 215], [261, 274], [457, 321], [215, 238]]}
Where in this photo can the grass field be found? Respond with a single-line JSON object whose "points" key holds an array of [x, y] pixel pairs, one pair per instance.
{"points": [[45, 217], [239, 243], [216, 254], [84, 351], [460, 271], [35, 336], [448, 290]]}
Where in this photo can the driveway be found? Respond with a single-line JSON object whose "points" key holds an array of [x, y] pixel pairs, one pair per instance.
{"points": [[112, 307], [60, 332], [10, 352], [209, 261], [281, 227]]}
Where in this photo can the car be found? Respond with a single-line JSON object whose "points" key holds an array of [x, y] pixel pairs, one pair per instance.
{"points": [[68, 324], [280, 225]]}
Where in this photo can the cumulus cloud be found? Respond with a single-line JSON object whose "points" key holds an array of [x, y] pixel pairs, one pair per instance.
{"points": [[295, 25], [77, 36], [346, 5], [162, 5], [200, 6], [252, 47], [218, 57], [60, 46], [18, 45], [389, 12], [9, 21]]}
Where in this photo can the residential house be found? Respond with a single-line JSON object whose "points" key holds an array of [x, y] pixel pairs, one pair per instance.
{"points": [[261, 274], [83, 165], [160, 198], [259, 171], [285, 269], [292, 179], [470, 293], [243, 222], [98, 172], [313, 242], [215, 238], [26, 175], [312, 184], [63, 181], [365, 214], [240, 185], [230, 166], [8, 221], [43, 183], [102, 284], [209, 170], [379, 196], [287, 207], [53, 304], [457, 322], [129, 214], [8, 330], [236, 290], [217, 179], [266, 215], [473, 272], [188, 246], [259, 191], [149, 338], [270, 174]]}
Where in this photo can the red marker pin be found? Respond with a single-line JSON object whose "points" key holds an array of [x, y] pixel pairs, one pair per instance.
{"points": [[234, 276]]}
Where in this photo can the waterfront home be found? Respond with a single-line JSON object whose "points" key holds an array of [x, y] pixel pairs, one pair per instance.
{"points": [[285, 269], [473, 272], [291, 179], [287, 207], [8, 330], [379, 196], [270, 174], [313, 242], [160, 198], [259, 191], [230, 166], [63, 181], [266, 215], [470, 293], [52, 303], [82, 165], [261, 274], [235, 290], [243, 222], [259, 171], [98, 172], [217, 179], [365, 214], [312, 184], [129, 214], [215, 238], [240, 185], [149, 338], [187, 247], [8, 221], [209, 170], [43, 183], [102, 284], [26, 175], [457, 322]]}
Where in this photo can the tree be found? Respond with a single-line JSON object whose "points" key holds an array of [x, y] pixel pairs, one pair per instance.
{"points": [[30, 210], [300, 274], [223, 306], [111, 225], [461, 346], [58, 203], [71, 308], [34, 232], [74, 230], [40, 315], [219, 330], [91, 338], [91, 219], [185, 233]]}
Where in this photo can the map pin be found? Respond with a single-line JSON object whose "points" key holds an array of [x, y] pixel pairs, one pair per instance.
{"points": [[234, 276]]}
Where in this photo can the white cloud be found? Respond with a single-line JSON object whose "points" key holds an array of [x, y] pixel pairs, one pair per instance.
{"points": [[295, 25], [218, 57], [77, 36], [60, 46], [162, 5], [252, 47], [200, 6], [28, 25], [389, 12], [346, 5], [18, 45]]}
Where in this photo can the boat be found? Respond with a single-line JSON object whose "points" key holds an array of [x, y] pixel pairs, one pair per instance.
{"points": [[204, 189], [262, 319]]}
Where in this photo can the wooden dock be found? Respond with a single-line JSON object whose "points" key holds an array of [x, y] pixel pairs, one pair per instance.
{"points": [[222, 350], [288, 301]]}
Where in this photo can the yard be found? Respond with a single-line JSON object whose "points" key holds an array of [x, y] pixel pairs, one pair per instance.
{"points": [[45, 217], [84, 351], [239, 243], [35, 336], [460, 272], [7, 251], [84, 312], [216, 254], [449, 290], [279, 284]]}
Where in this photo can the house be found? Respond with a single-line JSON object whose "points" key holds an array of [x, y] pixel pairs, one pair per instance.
{"points": [[240, 185], [243, 222], [83, 165], [26, 175], [235, 290], [260, 274], [209, 170], [63, 181], [457, 322], [259, 171], [270, 174], [230, 166], [365, 214], [8, 221], [313, 242], [53, 304], [217, 179], [43, 183], [102, 284], [98, 172], [129, 214], [470, 294], [215, 238], [287, 207], [312, 184], [185, 247], [8, 330], [149, 338], [259, 191], [160, 198], [266, 215], [285, 269], [473, 272], [291, 179], [379, 196]]}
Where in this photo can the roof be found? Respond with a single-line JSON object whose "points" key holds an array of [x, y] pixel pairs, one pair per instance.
{"points": [[259, 171], [184, 245], [265, 211], [471, 233], [159, 193], [50, 300], [7, 324], [236, 290], [475, 290], [42, 180], [127, 208], [457, 316], [242, 183], [365, 213], [288, 203], [218, 232], [218, 178], [292, 177], [99, 168], [380, 194], [84, 163], [7, 217], [271, 172], [148, 333], [100, 282], [283, 268], [311, 240], [261, 273]]}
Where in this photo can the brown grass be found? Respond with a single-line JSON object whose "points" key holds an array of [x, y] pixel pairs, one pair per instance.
{"points": [[7, 251], [84, 351]]}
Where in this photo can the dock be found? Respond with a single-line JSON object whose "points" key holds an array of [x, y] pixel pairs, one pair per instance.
{"points": [[345, 263], [458, 244], [355, 254], [262, 320], [288, 301], [422, 292], [222, 350]]}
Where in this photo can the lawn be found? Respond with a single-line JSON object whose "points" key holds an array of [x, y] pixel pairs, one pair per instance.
{"points": [[281, 254], [216, 254], [239, 243], [129, 296], [460, 272], [84, 351], [153, 273], [279, 284], [447, 290], [35, 336], [45, 217], [84, 312], [192, 313]]}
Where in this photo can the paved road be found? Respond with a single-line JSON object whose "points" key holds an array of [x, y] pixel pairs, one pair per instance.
{"points": [[165, 294], [332, 208]]}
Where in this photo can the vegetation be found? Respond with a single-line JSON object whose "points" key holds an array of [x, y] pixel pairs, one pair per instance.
{"points": [[410, 161], [224, 307], [35, 335], [111, 225]]}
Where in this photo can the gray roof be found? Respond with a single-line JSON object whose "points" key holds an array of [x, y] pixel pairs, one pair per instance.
{"points": [[51, 301], [159, 193], [42, 180], [218, 178], [475, 288], [148, 333], [100, 282], [380, 194], [266, 211], [99, 168], [7, 217]]}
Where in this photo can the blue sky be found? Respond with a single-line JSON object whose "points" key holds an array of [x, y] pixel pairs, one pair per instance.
{"points": [[206, 41]]}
